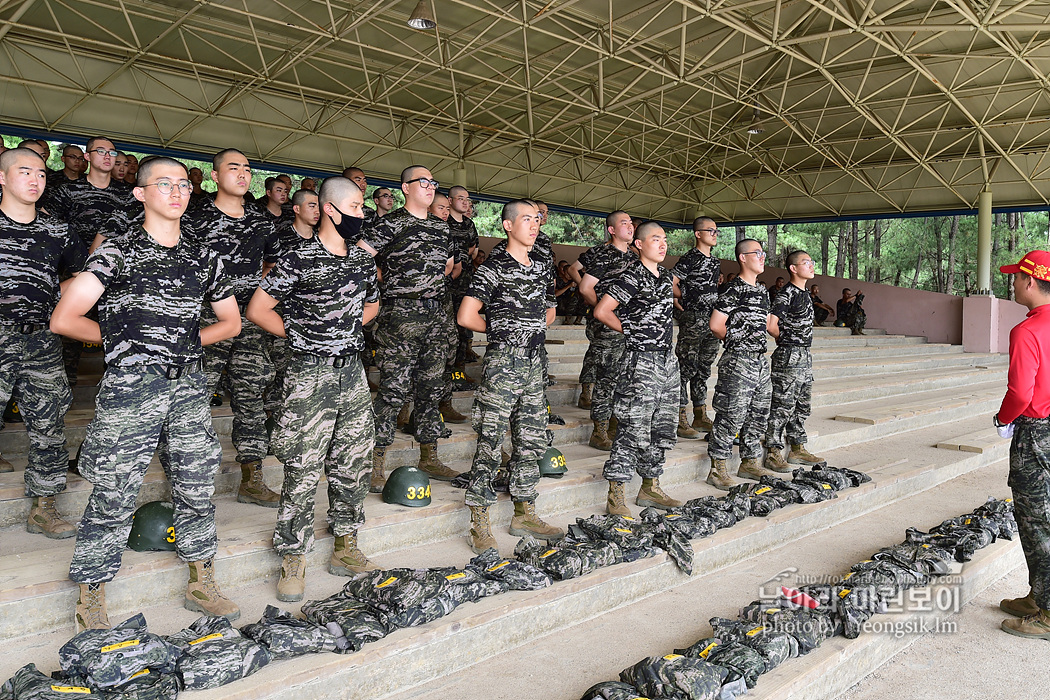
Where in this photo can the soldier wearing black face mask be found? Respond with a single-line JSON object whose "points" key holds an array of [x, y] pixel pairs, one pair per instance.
{"points": [[327, 289], [414, 251]]}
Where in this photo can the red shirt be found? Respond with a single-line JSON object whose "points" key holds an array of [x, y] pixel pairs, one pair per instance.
{"points": [[1028, 383]]}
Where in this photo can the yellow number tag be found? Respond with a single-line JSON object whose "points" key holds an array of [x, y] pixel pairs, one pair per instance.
{"points": [[548, 553], [707, 650], [764, 489], [845, 592], [121, 645], [497, 567], [144, 672], [672, 657], [456, 576], [71, 689], [757, 630], [171, 534], [561, 460], [210, 637], [622, 529], [389, 581]]}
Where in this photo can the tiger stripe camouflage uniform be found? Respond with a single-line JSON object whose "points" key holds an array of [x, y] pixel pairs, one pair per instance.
{"points": [[791, 368], [697, 345], [511, 392], [464, 237], [606, 263], [648, 386], [149, 315], [325, 421], [31, 368], [243, 244], [412, 253], [89, 210], [280, 352], [742, 393]]}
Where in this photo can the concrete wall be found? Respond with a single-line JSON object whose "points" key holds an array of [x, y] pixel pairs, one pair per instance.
{"points": [[987, 323], [939, 317]]}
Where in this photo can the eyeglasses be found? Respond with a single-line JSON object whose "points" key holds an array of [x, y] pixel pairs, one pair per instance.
{"points": [[74, 157], [425, 182], [759, 254], [105, 152], [384, 196], [807, 263], [166, 187], [707, 230]]}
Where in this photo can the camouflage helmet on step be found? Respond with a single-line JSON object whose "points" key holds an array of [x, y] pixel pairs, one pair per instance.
{"points": [[408, 486], [153, 528], [552, 463]]}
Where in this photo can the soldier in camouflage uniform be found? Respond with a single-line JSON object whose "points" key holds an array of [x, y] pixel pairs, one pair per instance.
{"points": [[33, 250], [245, 240], [1025, 416], [93, 206], [740, 318], [515, 289], [791, 323], [440, 208], [639, 304], [603, 264], [150, 285], [328, 289], [696, 285], [290, 236], [414, 251], [465, 236]]}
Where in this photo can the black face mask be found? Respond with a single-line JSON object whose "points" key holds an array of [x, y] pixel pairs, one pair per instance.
{"points": [[349, 227]]}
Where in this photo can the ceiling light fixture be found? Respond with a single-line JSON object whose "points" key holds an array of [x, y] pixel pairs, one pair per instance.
{"points": [[422, 17], [755, 126]]}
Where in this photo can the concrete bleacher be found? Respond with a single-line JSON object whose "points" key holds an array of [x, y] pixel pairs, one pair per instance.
{"points": [[912, 414]]}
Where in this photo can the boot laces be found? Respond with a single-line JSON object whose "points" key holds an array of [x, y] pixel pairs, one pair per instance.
{"points": [[616, 494], [293, 564], [92, 604], [49, 508]]}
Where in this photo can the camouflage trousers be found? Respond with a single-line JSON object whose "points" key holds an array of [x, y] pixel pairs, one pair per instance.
{"points": [[410, 353], [280, 353], [31, 370], [1030, 482], [696, 349], [451, 339], [741, 405], [325, 424], [134, 405], [246, 361], [646, 408], [608, 350], [510, 395], [587, 372], [791, 375]]}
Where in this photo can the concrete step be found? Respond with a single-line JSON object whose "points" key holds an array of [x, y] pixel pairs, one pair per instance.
{"points": [[565, 663], [35, 569]]}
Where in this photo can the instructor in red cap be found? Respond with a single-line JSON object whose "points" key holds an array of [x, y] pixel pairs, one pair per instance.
{"points": [[1023, 417]]}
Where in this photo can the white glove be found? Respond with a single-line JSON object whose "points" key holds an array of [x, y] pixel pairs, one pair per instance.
{"points": [[1005, 431]]}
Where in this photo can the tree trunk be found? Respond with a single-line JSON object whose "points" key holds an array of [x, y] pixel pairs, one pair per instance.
{"points": [[949, 278], [825, 245], [918, 267], [741, 233], [939, 257], [854, 249], [875, 264], [840, 252], [771, 246]]}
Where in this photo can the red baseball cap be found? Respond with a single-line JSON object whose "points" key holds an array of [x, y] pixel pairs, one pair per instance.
{"points": [[1036, 264]]}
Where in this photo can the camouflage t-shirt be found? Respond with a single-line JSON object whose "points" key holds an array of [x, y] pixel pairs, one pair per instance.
{"points": [[412, 253], [150, 310], [516, 299], [698, 280], [243, 244], [323, 296], [646, 302], [747, 307], [286, 215], [606, 262], [31, 256], [288, 238], [91, 210], [543, 248], [794, 311], [464, 237]]}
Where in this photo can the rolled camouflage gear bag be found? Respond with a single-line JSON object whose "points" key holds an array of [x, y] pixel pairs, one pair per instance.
{"points": [[629, 534], [775, 647], [689, 526], [738, 503], [961, 542], [764, 498], [28, 682], [612, 690], [285, 636], [802, 493], [1000, 512], [468, 586], [677, 545], [739, 658], [392, 591], [566, 560], [854, 477], [147, 686], [712, 509], [517, 575], [109, 658], [427, 611], [885, 574], [351, 622], [933, 560], [675, 676], [214, 654], [837, 478], [824, 491], [850, 606], [808, 627]]}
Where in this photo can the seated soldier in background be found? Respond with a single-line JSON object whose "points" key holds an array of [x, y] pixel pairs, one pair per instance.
{"points": [[821, 311], [849, 312]]}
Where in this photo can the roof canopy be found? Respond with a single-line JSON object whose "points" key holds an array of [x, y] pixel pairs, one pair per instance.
{"points": [[879, 106]]}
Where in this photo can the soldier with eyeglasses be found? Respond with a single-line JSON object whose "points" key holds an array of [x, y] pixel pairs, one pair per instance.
{"points": [[742, 394], [413, 248], [94, 207], [72, 157]]}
